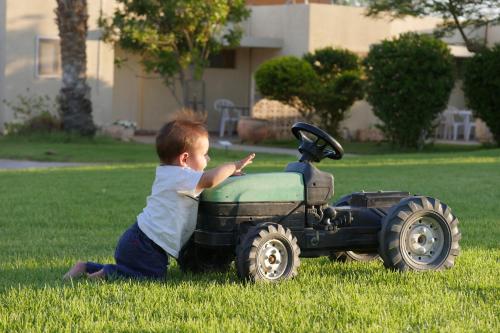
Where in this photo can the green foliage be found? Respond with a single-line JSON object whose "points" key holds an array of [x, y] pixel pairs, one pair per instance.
{"points": [[173, 37], [340, 85], [323, 84], [286, 79], [457, 15], [33, 114], [328, 62], [482, 87], [409, 81]]}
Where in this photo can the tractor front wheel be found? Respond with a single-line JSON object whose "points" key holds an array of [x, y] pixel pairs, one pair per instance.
{"points": [[420, 234], [269, 253]]}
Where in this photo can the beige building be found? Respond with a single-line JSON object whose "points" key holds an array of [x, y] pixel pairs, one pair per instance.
{"points": [[29, 57]]}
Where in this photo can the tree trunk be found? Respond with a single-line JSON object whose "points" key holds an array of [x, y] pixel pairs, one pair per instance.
{"points": [[74, 96], [192, 89]]}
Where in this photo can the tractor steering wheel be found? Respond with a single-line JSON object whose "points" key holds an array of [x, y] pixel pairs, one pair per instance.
{"points": [[316, 144]]}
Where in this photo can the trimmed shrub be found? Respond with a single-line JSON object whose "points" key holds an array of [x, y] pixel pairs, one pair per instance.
{"points": [[329, 62], [287, 79], [340, 85], [409, 81], [322, 86], [482, 87]]}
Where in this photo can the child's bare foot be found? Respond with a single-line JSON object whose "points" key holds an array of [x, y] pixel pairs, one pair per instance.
{"points": [[99, 275], [76, 271]]}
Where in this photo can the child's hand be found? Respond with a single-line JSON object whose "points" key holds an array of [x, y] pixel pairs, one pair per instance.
{"points": [[243, 163], [214, 177]]}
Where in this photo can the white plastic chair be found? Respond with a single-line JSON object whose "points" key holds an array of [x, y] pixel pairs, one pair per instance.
{"points": [[469, 125], [456, 123], [223, 106], [452, 123]]}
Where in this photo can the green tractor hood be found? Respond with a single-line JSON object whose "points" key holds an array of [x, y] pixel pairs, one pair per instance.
{"points": [[262, 187]]}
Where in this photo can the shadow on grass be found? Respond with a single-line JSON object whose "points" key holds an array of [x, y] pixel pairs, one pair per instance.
{"points": [[43, 277], [342, 270], [313, 269]]}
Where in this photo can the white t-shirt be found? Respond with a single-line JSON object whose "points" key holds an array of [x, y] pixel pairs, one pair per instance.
{"points": [[169, 218]]}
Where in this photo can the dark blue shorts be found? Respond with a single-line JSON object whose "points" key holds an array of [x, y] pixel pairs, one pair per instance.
{"points": [[136, 256]]}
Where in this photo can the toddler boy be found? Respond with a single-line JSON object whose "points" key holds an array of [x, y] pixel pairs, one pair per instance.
{"points": [[169, 218]]}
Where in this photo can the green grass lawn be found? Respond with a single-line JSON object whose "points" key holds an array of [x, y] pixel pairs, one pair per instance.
{"points": [[62, 148], [53, 217]]}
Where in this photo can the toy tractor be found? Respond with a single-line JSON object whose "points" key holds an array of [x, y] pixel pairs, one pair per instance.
{"points": [[266, 222]]}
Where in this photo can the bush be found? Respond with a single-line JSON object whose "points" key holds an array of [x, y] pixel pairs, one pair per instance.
{"points": [[324, 84], [33, 114], [482, 87], [329, 63], [287, 79], [340, 85], [409, 81]]}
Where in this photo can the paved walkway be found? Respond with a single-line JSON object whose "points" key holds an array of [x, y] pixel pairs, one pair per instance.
{"points": [[214, 142], [223, 143], [16, 164]]}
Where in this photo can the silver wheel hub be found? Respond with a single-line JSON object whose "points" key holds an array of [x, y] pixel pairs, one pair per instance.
{"points": [[424, 240], [272, 259]]}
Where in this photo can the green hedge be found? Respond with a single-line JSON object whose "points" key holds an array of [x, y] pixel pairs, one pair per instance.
{"points": [[285, 78], [323, 85], [482, 87], [409, 81]]}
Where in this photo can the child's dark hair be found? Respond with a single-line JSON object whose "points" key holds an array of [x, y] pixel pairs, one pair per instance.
{"points": [[179, 135]]}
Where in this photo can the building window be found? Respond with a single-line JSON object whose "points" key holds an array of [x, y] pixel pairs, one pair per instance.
{"points": [[223, 59], [353, 3], [48, 57]]}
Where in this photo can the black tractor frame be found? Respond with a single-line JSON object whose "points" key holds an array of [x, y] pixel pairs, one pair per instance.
{"points": [[267, 240]]}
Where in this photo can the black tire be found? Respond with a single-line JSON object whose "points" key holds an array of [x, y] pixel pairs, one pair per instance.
{"points": [[269, 253], [196, 259], [349, 256], [420, 234]]}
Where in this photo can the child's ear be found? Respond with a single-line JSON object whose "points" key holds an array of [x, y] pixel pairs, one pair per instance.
{"points": [[183, 158]]}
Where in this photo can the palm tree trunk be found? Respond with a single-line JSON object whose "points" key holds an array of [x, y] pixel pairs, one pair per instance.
{"points": [[74, 96]]}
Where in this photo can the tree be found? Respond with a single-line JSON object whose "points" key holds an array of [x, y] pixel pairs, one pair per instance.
{"points": [[175, 38], [409, 81], [481, 87], [74, 96], [322, 85], [457, 15], [290, 80], [340, 85]]}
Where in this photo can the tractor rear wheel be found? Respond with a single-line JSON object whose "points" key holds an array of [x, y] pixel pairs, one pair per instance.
{"points": [[269, 253], [419, 233]]}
